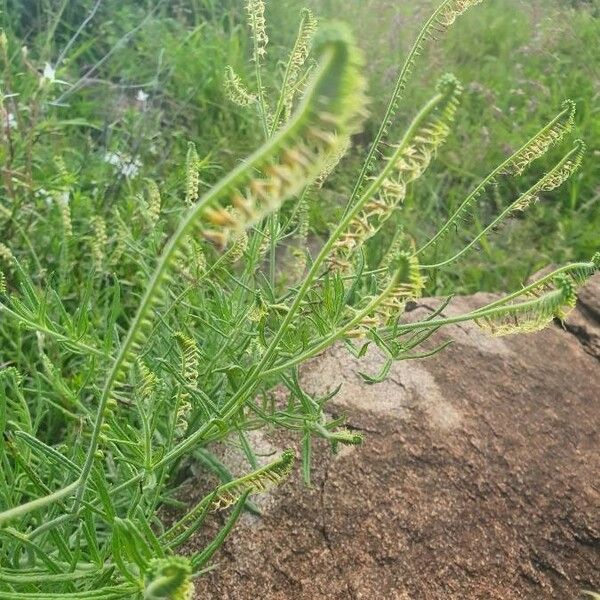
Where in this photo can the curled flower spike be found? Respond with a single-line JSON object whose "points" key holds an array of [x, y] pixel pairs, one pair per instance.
{"points": [[441, 19], [229, 493], [235, 89], [562, 171], [300, 160], [533, 315], [256, 482], [169, 579], [306, 32], [550, 135], [154, 203], [238, 246], [409, 161], [5, 253], [148, 381], [402, 282], [333, 106], [189, 372], [565, 169], [342, 148], [552, 296], [453, 9]]}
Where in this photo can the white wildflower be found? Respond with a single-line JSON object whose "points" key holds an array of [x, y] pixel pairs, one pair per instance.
{"points": [[141, 96], [45, 195], [125, 165], [49, 73], [131, 169], [11, 121], [112, 158]]}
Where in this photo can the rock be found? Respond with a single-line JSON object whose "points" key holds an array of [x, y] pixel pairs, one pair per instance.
{"points": [[479, 477]]}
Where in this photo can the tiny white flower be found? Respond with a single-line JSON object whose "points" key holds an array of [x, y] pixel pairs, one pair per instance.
{"points": [[11, 121], [125, 165], [44, 195], [131, 168], [49, 73], [112, 158], [141, 96]]}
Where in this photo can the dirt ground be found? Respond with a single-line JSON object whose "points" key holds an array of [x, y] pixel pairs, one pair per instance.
{"points": [[479, 479]]}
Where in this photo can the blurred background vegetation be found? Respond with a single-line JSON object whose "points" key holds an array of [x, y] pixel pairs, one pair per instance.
{"points": [[143, 78]]}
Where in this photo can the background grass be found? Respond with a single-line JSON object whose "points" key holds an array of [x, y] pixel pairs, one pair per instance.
{"points": [[517, 60]]}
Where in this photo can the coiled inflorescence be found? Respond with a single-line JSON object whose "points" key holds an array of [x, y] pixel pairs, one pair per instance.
{"points": [[169, 579], [229, 493], [551, 297], [402, 282], [147, 381], [300, 52], [255, 483], [453, 9], [235, 89], [550, 135], [555, 177], [534, 315], [336, 107], [409, 161], [5, 253], [190, 361]]}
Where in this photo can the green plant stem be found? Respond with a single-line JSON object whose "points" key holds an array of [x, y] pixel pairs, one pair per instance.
{"points": [[394, 99], [482, 185], [511, 208], [23, 509]]}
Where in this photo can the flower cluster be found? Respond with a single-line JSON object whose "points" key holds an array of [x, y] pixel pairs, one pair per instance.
{"points": [[125, 165]]}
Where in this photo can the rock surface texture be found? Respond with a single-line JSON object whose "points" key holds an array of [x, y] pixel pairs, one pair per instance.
{"points": [[479, 477]]}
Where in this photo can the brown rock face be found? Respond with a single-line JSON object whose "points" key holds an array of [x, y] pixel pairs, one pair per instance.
{"points": [[479, 478]]}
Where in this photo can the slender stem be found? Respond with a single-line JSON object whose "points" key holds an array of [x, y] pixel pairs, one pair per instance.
{"points": [[395, 97], [336, 335], [535, 188], [23, 509], [482, 185], [261, 98]]}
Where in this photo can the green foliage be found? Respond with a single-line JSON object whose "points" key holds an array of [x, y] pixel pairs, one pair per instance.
{"points": [[145, 314]]}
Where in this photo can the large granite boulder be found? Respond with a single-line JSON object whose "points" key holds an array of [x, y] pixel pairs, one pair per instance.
{"points": [[479, 477]]}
